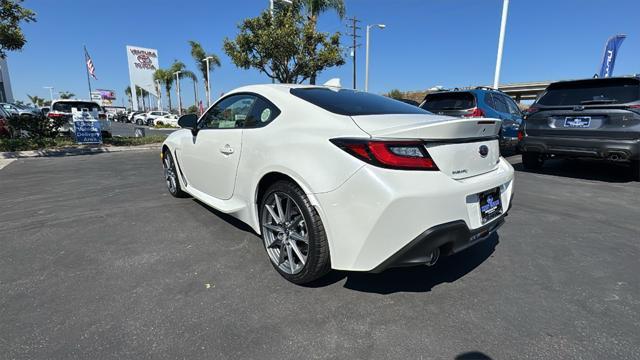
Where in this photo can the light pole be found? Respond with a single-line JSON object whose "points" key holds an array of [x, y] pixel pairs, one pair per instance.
{"points": [[503, 25], [271, 6], [159, 94], [272, 2], [206, 60], [50, 92], [177, 74], [366, 63]]}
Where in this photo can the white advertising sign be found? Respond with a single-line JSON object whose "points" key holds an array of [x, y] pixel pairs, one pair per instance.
{"points": [[143, 63]]}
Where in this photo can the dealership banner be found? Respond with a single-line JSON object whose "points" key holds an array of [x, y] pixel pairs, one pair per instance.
{"points": [[143, 63], [610, 53]]}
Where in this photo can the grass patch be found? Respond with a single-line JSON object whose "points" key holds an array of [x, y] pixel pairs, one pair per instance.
{"points": [[132, 141], [25, 144]]}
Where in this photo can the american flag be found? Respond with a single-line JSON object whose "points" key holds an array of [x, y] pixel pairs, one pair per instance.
{"points": [[90, 68]]}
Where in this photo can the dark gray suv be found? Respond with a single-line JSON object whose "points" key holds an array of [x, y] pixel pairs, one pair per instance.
{"points": [[592, 118]]}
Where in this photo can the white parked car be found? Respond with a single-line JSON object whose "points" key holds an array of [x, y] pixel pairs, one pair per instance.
{"points": [[64, 109], [170, 119], [342, 179], [148, 117]]}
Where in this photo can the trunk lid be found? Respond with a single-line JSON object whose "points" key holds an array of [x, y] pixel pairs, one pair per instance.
{"points": [[460, 148]]}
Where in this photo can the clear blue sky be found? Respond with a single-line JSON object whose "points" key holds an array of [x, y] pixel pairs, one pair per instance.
{"points": [[426, 42]]}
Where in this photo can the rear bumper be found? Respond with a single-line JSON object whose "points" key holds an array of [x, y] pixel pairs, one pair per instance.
{"points": [[378, 212], [582, 147]]}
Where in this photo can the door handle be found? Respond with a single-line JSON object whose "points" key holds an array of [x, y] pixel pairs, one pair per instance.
{"points": [[227, 149]]}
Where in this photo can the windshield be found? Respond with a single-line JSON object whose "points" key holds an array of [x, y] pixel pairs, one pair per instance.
{"points": [[449, 101], [592, 91], [353, 103], [66, 106]]}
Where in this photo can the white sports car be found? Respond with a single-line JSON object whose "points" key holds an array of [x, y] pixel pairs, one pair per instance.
{"points": [[341, 179]]}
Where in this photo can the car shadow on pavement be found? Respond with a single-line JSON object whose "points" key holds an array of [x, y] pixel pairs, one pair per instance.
{"points": [[583, 169], [416, 278], [238, 224], [473, 355]]}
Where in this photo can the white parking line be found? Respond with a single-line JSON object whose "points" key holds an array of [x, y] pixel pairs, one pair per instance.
{"points": [[5, 162]]}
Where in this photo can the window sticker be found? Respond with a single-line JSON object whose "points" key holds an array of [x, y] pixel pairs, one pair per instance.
{"points": [[266, 114]]}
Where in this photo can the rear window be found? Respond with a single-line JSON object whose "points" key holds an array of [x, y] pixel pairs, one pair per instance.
{"points": [[449, 101], [592, 91], [65, 106], [353, 103]]}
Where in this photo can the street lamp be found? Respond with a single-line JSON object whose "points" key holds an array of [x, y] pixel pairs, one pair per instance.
{"points": [[271, 6], [206, 60], [272, 2], [503, 25], [177, 74], [50, 92], [159, 94], [366, 64]]}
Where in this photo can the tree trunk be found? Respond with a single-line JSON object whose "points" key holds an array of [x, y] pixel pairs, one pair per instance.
{"points": [[313, 19]]}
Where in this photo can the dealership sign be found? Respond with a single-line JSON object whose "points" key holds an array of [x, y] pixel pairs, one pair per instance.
{"points": [[143, 63]]}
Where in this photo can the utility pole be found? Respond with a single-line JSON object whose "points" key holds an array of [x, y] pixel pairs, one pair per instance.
{"points": [[354, 34]]}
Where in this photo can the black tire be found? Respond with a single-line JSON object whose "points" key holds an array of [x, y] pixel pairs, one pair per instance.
{"points": [[318, 261], [167, 161], [532, 160]]}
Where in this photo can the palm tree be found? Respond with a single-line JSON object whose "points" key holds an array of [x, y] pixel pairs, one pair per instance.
{"points": [[66, 95], [165, 76], [314, 9], [127, 91], [198, 54], [184, 73], [36, 100]]}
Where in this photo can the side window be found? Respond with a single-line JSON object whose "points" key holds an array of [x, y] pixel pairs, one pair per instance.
{"points": [[229, 113], [488, 99], [500, 103], [263, 113], [513, 107]]}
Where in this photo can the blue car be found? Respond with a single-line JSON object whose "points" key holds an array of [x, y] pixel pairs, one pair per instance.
{"points": [[480, 102]]}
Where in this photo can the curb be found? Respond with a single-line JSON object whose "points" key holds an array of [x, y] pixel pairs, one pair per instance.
{"points": [[71, 151]]}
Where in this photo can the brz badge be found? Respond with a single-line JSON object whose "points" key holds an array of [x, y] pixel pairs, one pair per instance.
{"points": [[484, 151]]}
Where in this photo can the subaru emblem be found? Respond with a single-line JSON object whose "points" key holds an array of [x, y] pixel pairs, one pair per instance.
{"points": [[484, 151]]}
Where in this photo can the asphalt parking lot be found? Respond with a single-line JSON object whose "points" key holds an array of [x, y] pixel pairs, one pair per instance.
{"points": [[127, 129], [99, 261]]}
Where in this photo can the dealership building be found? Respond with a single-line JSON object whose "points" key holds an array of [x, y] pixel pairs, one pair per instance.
{"points": [[6, 95]]}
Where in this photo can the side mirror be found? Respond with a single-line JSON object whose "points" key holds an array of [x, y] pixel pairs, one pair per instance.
{"points": [[189, 121]]}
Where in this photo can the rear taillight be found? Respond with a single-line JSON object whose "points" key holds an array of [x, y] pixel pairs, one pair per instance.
{"points": [[54, 115], [531, 110], [477, 112], [405, 155], [635, 108], [520, 135]]}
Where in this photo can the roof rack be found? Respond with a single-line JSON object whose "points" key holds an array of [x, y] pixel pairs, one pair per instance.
{"points": [[487, 88]]}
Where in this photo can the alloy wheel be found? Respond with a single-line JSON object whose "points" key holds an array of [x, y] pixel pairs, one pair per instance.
{"points": [[285, 233], [169, 173]]}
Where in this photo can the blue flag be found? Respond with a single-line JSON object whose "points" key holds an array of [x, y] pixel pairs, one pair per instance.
{"points": [[609, 57]]}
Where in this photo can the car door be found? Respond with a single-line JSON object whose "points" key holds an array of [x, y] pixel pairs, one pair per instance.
{"points": [[210, 158]]}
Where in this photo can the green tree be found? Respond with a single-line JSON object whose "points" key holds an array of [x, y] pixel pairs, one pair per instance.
{"points": [[285, 47], [165, 76], [11, 15], [127, 91], [314, 8], [198, 54], [36, 100], [66, 95], [395, 94]]}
